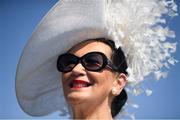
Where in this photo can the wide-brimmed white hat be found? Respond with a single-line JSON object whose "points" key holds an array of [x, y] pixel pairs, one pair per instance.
{"points": [[134, 25]]}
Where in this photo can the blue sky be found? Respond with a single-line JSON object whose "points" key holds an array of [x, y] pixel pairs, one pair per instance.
{"points": [[18, 18]]}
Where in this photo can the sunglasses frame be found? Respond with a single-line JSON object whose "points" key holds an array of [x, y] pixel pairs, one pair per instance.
{"points": [[106, 62]]}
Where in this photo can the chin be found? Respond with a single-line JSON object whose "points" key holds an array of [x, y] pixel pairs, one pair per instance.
{"points": [[77, 98]]}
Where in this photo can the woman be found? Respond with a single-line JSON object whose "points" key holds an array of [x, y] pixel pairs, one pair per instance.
{"points": [[92, 86], [80, 39]]}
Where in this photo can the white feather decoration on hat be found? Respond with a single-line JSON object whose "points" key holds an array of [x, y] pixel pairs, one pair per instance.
{"points": [[137, 27]]}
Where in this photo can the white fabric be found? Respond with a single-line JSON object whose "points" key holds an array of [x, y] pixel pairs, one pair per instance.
{"points": [[132, 24]]}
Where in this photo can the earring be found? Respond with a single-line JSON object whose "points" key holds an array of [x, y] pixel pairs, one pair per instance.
{"points": [[114, 91]]}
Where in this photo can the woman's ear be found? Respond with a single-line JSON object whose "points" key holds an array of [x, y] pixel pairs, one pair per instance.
{"points": [[119, 84]]}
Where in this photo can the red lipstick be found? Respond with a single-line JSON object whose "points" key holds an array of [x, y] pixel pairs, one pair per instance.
{"points": [[77, 84]]}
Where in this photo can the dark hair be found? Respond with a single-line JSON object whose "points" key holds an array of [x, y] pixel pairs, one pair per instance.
{"points": [[119, 61]]}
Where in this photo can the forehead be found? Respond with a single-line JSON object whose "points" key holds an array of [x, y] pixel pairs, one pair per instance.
{"points": [[91, 46]]}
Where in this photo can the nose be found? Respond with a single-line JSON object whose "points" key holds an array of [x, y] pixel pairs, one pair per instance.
{"points": [[78, 70]]}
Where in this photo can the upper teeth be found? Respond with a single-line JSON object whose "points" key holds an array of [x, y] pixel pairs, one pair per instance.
{"points": [[79, 85]]}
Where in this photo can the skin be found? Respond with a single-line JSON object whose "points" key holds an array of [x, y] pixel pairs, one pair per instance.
{"points": [[93, 102]]}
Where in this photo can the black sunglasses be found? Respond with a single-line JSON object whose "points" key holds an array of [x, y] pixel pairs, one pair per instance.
{"points": [[93, 61]]}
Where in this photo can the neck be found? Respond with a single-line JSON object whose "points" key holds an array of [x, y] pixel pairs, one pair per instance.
{"points": [[92, 111]]}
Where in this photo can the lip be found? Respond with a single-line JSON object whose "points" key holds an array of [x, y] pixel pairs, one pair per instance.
{"points": [[78, 84]]}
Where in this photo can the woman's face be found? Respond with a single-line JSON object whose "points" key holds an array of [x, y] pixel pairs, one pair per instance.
{"points": [[100, 82]]}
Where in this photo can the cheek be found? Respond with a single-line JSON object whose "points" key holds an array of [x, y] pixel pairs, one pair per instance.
{"points": [[107, 77], [65, 77], [64, 82], [103, 81]]}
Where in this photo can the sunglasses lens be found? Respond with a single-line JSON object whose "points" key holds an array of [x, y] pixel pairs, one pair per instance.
{"points": [[93, 61], [66, 62]]}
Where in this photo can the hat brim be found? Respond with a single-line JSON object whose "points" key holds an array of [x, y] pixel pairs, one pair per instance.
{"points": [[38, 83]]}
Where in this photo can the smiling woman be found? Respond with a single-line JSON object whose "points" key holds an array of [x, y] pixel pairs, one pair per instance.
{"points": [[92, 80], [84, 53]]}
